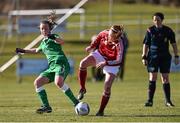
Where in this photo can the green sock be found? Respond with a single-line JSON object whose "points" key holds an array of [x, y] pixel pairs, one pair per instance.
{"points": [[71, 96], [43, 97]]}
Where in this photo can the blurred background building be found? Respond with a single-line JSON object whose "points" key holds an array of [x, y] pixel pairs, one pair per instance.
{"points": [[7, 5]]}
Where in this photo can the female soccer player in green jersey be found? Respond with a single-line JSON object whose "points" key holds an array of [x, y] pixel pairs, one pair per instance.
{"points": [[57, 61]]}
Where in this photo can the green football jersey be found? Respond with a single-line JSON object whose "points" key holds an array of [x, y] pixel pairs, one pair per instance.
{"points": [[52, 50]]}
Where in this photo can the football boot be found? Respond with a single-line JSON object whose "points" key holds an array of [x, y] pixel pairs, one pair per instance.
{"points": [[81, 94], [44, 109]]}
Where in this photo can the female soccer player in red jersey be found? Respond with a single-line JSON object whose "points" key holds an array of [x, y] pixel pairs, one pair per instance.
{"points": [[106, 51]]}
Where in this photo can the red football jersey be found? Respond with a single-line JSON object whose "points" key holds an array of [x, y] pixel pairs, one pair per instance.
{"points": [[113, 52]]}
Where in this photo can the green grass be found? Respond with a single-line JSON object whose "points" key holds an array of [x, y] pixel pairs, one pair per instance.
{"points": [[19, 102]]}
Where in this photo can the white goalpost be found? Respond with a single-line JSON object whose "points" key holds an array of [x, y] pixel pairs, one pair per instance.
{"points": [[39, 38]]}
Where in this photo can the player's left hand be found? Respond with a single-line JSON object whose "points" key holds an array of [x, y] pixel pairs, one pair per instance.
{"points": [[101, 65], [176, 61], [19, 50]]}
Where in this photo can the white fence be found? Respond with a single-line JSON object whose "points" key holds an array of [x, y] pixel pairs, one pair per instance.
{"points": [[89, 24], [39, 38], [27, 21]]}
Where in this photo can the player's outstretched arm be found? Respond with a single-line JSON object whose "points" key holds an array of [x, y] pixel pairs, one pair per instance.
{"points": [[20, 50]]}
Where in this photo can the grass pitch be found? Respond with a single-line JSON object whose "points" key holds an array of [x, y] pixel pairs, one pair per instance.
{"points": [[18, 102]]}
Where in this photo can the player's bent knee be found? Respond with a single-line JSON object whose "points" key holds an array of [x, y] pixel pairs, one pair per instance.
{"points": [[107, 89], [107, 94], [59, 84], [83, 64], [38, 83], [35, 83]]}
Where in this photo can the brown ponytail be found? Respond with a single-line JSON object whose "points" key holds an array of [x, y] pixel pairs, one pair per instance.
{"points": [[50, 20]]}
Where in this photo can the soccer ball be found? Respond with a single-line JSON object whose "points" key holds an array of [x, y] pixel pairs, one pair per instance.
{"points": [[82, 109]]}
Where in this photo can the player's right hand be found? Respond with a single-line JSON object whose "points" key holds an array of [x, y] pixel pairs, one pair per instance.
{"points": [[88, 49], [144, 62], [19, 50]]}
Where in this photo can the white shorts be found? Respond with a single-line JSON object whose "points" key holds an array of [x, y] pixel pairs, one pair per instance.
{"points": [[106, 69]]}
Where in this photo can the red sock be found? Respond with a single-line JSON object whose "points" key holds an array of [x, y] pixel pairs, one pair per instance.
{"points": [[104, 102], [82, 74]]}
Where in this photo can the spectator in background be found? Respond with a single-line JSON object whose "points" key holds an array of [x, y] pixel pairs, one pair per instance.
{"points": [[157, 57], [126, 45], [58, 65], [106, 51]]}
